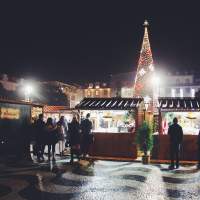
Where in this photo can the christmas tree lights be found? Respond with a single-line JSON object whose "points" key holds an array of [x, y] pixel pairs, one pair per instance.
{"points": [[145, 70]]}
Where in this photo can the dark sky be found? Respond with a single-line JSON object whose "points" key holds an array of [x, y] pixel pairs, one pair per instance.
{"points": [[89, 40]]}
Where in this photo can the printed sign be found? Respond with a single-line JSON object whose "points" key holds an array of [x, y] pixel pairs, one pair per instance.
{"points": [[10, 113]]}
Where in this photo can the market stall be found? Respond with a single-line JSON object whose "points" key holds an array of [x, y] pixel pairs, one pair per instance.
{"points": [[187, 112], [55, 112], [114, 123], [13, 116]]}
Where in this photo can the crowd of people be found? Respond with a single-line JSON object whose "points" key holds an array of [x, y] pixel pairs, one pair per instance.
{"points": [[76, 135]]}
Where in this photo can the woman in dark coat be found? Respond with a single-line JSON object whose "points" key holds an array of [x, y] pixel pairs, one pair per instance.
{"points": [[74, 138], [51, 137]]}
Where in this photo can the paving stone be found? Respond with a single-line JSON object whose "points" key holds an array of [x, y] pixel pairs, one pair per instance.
{"points": [[97, 180]]}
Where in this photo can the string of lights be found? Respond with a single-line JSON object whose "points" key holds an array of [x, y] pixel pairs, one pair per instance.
{"points": [[142, 86]]}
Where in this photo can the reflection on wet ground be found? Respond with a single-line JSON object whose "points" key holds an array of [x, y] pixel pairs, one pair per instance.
{"points": [[99, 180]]}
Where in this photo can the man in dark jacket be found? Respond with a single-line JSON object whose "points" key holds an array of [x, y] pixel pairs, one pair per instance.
{"points": [[39, 137], [86, 126], [74, 139], [175, 133]]}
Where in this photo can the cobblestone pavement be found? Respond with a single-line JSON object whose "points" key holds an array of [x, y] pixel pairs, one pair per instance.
{"points": [[101, 180]]}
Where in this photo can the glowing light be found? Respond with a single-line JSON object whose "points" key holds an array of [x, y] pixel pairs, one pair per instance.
{"points": [[28, 91], [192, 92], [151, 67], [181, 92], [142, 72], [155, 80]]}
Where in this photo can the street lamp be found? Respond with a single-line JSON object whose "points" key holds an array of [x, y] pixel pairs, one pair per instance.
{"points": [[28, 90], [147, 100]]}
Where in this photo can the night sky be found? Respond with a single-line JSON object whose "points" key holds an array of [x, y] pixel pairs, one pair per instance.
{"points": [[89, 40]]}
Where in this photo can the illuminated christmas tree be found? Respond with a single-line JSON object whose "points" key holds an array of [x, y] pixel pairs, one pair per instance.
{"points": [[143, 81]]}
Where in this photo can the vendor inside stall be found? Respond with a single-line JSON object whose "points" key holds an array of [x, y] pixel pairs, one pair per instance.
{"points": [[113, 121]]}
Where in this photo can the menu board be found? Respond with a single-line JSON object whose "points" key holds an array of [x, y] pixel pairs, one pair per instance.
{"points": [[9, 113]]}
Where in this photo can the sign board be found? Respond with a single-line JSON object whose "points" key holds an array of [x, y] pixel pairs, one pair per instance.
{"points": [[9, 113]]}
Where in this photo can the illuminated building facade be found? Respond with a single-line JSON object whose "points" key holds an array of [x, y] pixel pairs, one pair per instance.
{"points": [[177, 84], [101, 90]]}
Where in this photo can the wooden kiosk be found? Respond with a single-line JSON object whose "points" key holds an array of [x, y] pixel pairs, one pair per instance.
{"points": [[187, 112], [114, 123], [13, 115]]}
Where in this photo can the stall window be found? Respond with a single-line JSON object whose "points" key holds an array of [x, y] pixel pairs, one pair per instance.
{"points": [[190, 121], [113, 121]]}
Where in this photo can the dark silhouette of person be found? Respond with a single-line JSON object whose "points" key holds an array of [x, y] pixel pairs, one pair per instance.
{"points": [[198, 153], [39, 137], [86, 127], [74, 138], [25, 139], [175, 133], [51, 137], [61, 128]]}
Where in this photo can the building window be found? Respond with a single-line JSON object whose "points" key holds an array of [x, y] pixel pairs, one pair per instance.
{"points": [[167, 91], [97, 85], [90, 85], [88, 93], [187, 81], [181, 92], [187, 90], [172, 92], [97, 93], [192, 92]]}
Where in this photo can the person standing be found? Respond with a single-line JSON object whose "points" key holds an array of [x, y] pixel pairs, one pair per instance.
{"points": [[61, 127], [39, 137], [175, 133], [86, 127], [74, 138], [198, 153], [51, 138]]}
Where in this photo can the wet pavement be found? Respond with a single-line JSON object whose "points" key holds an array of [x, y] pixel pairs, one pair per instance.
{"points": [[100, 180]]}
